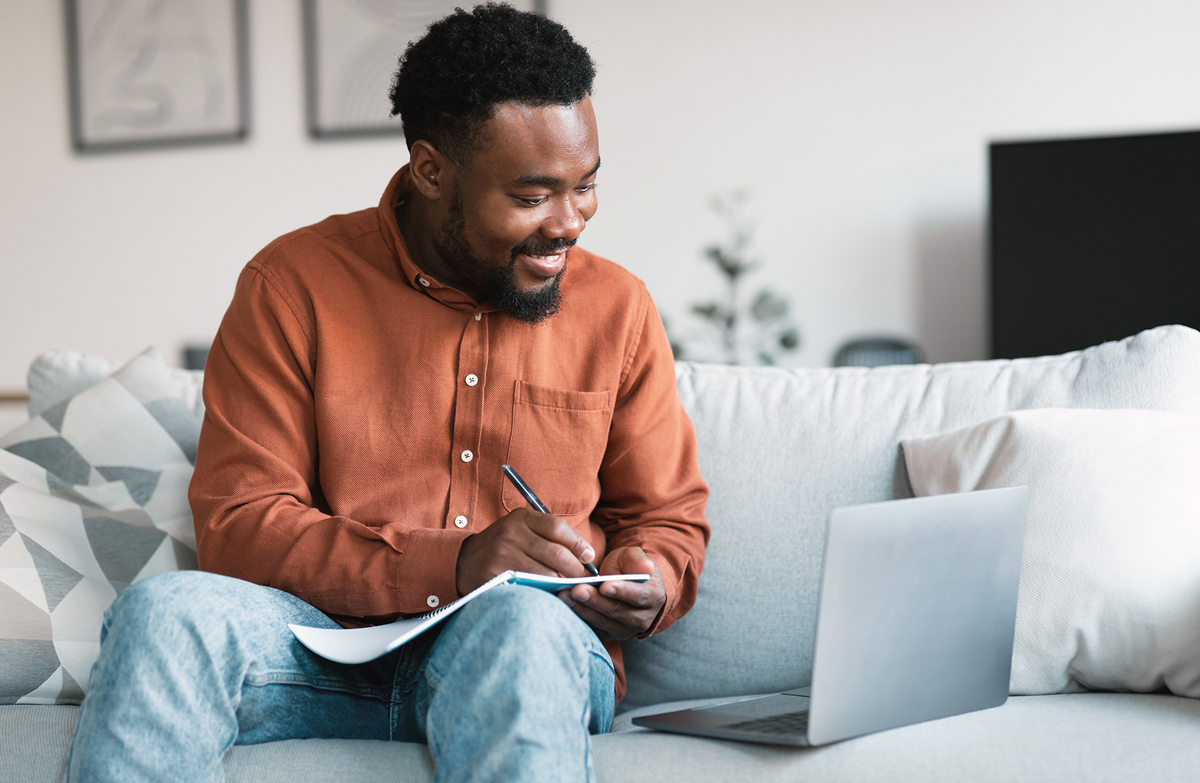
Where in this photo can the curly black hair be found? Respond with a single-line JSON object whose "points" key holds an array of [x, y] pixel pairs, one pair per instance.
{"points": [[450, 80]]}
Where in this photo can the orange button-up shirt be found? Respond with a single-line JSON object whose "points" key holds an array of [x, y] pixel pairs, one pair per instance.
{"points": [[358, 413]]}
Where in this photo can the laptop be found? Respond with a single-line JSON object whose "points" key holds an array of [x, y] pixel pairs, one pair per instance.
{"points": [[917, 610]]}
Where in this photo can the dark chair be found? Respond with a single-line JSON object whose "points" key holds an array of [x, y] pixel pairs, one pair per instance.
{"points": [[194, 356], [876, 352]]}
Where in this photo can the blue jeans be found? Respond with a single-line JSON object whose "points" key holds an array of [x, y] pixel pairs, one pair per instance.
{"points": [[192, 663]]}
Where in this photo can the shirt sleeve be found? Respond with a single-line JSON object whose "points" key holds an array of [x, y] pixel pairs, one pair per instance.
{"points": [[652, 495], [255, 495]]}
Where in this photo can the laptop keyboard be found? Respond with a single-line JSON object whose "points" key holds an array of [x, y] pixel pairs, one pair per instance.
{"points": [[787, 723]]}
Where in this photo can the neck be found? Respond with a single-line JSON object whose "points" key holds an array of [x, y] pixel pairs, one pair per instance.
{"points": [[418, 225]]}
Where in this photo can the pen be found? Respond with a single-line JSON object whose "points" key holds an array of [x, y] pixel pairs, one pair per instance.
{"points": [[532, 499]]}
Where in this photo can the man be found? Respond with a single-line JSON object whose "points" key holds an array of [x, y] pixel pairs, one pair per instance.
{"points": [[369, 379]]}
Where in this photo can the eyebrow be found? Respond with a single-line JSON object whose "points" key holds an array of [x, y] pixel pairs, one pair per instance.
{"points": [[548, 181]]}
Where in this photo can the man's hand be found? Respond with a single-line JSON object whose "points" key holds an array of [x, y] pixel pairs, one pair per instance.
{"points": [[525, 540], [619, 610]]}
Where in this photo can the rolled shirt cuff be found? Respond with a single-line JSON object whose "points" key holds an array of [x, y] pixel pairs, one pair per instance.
{"points": [[429, 568]]}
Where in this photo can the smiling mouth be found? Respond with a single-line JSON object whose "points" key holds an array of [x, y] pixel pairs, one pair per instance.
{"points": [[545, 265]]}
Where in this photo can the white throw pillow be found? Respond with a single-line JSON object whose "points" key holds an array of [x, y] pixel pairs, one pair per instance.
{"points": [[1110, 581]]}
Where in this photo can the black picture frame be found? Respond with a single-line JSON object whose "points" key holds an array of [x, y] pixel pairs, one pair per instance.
{"points": [[350, 55], [144, 75]]}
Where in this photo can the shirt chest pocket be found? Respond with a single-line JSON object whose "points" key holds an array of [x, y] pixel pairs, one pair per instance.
{"points": [[557, 442]]}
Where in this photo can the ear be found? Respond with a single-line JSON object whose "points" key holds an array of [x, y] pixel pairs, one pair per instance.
{"points": [[430, 170]]}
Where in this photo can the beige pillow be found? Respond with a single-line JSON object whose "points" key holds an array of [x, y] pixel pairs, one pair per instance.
{"points": [[1110, 580]]}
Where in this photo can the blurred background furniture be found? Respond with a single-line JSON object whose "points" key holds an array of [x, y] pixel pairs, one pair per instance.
{"points": [[877, 352]]}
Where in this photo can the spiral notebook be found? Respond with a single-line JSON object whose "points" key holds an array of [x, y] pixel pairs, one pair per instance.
{"points": [[359, 645]]}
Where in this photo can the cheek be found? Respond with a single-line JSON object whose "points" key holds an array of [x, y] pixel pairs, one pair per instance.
{"points": [[588, 206], [503, 232], [524, 228]]}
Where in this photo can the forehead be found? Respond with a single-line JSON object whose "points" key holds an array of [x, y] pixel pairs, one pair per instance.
{"points": [[542, 142]]}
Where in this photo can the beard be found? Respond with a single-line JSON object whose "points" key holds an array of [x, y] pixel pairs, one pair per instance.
{"points": [[531, 307]]}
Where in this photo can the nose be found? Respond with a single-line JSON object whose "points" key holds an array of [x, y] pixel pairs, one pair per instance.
{"points": [[566, 220]]}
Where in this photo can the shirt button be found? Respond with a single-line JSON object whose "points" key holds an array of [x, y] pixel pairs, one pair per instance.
{"points": [[472, 379], [478, 316], [467, 456], [423, 281], [432, 601], [460, 521]]}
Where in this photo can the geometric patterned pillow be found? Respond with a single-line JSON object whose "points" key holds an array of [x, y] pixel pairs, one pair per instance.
{"points": [[58, 374], [93, 497]]}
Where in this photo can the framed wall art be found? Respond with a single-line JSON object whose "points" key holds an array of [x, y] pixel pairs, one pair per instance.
{"points": [[147, 73], [352, 48]]}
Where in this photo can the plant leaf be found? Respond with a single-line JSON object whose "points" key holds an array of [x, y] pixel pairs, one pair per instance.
{"points": [[768, 307]]}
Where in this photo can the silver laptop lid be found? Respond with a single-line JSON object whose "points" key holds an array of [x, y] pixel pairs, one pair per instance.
{"points": [[917, 610]]}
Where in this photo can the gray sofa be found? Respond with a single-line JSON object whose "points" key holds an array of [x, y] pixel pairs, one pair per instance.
{"points": [[780, 449]]}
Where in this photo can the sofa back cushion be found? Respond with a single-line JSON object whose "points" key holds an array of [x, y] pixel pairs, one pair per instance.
{"points": [[781, 448]]}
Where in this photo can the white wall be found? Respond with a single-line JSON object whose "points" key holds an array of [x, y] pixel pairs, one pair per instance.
{"points": [[109, 253], [860, 127]]}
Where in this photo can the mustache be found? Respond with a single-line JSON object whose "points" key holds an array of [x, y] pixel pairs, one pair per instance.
{"points": [[544, 248]]}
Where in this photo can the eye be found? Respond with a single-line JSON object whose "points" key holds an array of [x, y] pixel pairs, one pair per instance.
{"points": [[532, 202], [586, 188]]}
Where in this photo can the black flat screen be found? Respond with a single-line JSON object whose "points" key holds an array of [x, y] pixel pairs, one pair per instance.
{"points": [[1093, 240]]}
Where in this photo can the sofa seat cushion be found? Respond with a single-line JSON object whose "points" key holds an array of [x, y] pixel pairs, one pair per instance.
{"points": [[34, 740], [1075, 737], [297, 761]]}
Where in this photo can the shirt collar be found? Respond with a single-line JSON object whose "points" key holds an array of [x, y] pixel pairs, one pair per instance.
{"points": [[400, 188]]}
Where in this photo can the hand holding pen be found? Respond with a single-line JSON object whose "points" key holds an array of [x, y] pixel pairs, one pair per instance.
{"points": [[617, 610], [526, 539], [537, 504]]}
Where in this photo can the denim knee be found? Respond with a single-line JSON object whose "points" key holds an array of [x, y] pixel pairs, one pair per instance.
{"points": [[525, 611], [515, 682], [165, 599], [525, 628]]}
